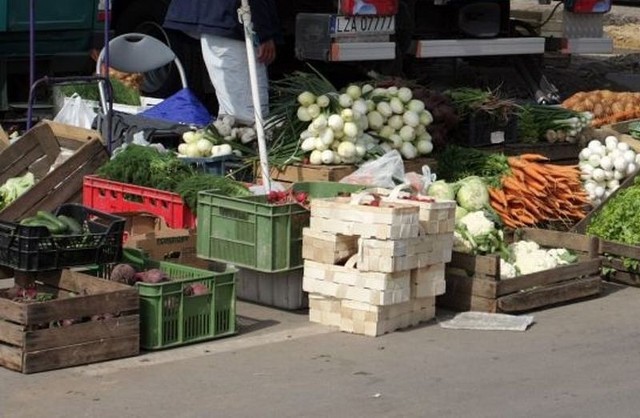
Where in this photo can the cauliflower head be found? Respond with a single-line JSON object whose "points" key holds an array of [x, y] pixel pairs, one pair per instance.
{"points": [[507, 270], [477, 223]]}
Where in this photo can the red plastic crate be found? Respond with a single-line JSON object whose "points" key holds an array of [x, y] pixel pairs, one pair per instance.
{"points": [[113, 197]]}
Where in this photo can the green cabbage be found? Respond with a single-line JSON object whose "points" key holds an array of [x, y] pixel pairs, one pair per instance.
{"points": [[473, 194], [442, 190], [14, 188]]}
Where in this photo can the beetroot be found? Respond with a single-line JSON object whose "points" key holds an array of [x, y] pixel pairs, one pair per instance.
{"points": [[123, 273], [196, 289]]}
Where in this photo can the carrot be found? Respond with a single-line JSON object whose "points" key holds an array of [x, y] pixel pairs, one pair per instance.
{"points": [[534, 158], [532, 171]]}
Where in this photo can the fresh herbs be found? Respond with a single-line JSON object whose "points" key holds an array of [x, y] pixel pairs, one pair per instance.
{"points": [[147, 167], [188, 188], [456, 162], [618, 219]]}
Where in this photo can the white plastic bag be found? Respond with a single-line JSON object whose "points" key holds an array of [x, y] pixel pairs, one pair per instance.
{"points": [[386, 171], [76, 113]]}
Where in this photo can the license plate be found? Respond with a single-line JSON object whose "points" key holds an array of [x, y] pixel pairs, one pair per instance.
{"points": [[362, 25]]}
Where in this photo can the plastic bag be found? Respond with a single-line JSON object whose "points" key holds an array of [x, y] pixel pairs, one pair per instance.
{"points": [[76, 113], [420, 182], [386, 171]]}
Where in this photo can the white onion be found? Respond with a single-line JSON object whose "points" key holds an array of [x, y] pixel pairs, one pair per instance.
{"points": [[303, 114], [346, 149], [314, 110], [323, 101], [623, 146], [306, 98], [396, 122], [345, 100], [309, 144], [316, 157], [335, 122], [354, 92], [611, 142], [350, 129], [405, 94], [327, 156], [411, 118]]}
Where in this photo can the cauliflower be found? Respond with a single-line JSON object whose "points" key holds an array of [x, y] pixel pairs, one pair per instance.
{"points": [[460, 244], [477, 223], [522, 249], [507, 270], [534, 261], [562, 256]]}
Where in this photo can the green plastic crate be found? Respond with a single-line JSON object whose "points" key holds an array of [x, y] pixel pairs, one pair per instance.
{"points": [[169, 318], [249, 232]]}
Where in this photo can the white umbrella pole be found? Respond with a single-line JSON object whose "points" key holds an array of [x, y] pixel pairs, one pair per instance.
{"points": [[245, 17]]}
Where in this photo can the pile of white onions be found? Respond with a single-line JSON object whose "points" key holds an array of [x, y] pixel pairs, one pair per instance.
{"points": [[368, 117], [201, 143], [605, 166]]}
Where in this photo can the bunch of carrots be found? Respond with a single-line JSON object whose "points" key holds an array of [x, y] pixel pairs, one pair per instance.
{"points": [[536, 192]]}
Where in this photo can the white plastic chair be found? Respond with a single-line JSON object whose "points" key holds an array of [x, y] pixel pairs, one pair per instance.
{"points": [[136, 53]]}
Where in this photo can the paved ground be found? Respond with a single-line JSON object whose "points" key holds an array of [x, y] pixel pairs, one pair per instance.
{"points": [[576, 360]]}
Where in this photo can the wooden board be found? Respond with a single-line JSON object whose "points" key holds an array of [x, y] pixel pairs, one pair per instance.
{"points": [[550, 295], [29, 344], [37, 150], [297, 173]]}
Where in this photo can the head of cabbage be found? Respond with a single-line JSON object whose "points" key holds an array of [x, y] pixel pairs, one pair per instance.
{"points": [[473, 194], [440, 189]]}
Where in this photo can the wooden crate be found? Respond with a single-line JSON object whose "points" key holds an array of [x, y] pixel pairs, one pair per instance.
{"points": [[473, 282], [297, 173], [613, 255], [36, 151], [28, 344]]}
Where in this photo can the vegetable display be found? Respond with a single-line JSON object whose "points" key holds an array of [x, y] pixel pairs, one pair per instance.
{"points": [[364, 118], [537, 192], [222, 137], [551, 123], [476, 234], [607, 106], [57, 225], [147, 167], [618, 219], [526, 257], [605, 165]]}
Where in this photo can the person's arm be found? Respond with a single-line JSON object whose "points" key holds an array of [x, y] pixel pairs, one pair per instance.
{"points": [[267, 27]]}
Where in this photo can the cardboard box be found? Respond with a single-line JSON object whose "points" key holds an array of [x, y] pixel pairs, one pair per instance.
{"points": [[150, 233]]}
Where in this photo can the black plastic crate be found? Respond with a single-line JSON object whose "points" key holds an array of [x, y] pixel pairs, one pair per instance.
{"points": [[34, 248], [482, 129]]}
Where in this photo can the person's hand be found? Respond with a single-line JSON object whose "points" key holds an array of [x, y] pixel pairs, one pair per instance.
{"points": [[267, 52]]}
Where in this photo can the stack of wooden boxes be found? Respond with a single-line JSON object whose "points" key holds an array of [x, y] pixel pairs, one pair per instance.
{"points": [[373, 269]]}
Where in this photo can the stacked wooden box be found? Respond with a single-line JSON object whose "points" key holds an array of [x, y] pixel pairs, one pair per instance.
{"points": [[373, 269]]}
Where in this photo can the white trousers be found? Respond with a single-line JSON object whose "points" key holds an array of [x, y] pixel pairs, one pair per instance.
{"points": [[227, 65]]}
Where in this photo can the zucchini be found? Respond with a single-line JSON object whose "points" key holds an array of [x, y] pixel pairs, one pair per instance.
{"points": [[73, 226], [57, 226]]}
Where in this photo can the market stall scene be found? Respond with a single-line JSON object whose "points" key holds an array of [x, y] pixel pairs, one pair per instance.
{"points": [[368, 202]]}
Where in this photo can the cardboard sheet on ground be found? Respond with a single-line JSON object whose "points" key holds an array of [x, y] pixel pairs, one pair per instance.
{"points": [[488, 322]]}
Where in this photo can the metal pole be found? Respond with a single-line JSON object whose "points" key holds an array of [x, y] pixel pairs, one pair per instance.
{"points": [[32, 57], [245, 17]]}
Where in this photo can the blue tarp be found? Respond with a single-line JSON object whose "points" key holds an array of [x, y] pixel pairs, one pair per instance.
{"points": [[183, 107]]}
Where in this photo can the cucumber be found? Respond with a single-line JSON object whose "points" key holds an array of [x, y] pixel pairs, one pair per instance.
{"points": [[73, 226], [57, 226], [35, 221]]}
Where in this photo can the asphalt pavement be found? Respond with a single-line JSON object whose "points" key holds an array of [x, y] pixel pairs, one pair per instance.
{"points": [[577, 360]]}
